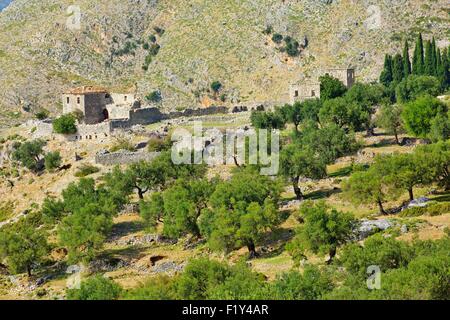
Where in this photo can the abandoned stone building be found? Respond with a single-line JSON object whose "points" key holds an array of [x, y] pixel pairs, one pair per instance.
{"points": [[97, 104], [103, 112], [304, 90], [345, 75]]}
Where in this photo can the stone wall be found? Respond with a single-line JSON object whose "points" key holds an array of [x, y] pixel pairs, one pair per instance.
{"points": [[151, 115], [145, 116], [123, 157], [116, 112], [91, 132], [121, 98], [197, 112]]}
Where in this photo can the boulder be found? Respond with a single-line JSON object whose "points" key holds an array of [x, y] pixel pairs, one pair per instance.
{"points": [[369, 227], [419, 202], [168, 267], [404, 229]]}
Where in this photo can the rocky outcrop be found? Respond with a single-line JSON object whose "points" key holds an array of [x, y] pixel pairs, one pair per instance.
{"points": [[368, 227]]}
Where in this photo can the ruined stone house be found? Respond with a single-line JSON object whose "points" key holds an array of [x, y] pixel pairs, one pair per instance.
{"points": [[303, 91], [307, 89], [97, 104], [345, 75], [103, 112]]}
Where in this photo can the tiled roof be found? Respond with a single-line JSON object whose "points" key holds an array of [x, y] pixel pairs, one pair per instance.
{"points": [[86, 90]]}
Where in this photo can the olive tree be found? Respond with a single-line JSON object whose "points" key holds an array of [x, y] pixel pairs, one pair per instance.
{"points": [[324, 229], [240, 211]]}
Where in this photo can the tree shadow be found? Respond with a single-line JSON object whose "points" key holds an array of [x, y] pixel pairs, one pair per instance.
{"points": [[343, 172], [322, 193], [273, 243], [124, 228], [383, 143], [442, 197], [131, 253], [347, 171]]}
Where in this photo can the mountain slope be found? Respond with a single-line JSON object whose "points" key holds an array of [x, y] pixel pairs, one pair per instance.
{"points": [[203, 41]]}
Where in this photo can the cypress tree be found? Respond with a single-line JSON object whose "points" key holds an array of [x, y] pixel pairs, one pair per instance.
{"points": [[438, 62], [445, 70], [406, 60], [386, 75], [434, 58], [418, 58], [397, 68], [429, 64]]}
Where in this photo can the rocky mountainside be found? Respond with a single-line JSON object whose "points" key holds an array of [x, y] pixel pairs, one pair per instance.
{"points": [[180, 47]]}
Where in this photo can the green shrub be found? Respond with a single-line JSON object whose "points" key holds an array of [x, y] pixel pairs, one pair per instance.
{"points": [[52, 160], [158, 288], [86, 170], [159, 31], [129, 48], [216, 86], [277, 38], [291, 47], [65, 124], [42, 114], [435, 209], [154, 96], [154, 49], [95, 288]]}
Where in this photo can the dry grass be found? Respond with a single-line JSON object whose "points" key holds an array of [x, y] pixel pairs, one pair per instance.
{"points": [[433, 230]]}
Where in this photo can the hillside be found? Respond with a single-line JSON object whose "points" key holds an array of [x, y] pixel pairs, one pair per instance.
{"points": [[203, 41]]}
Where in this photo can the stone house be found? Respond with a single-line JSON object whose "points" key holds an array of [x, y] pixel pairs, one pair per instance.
{"points": [[308, 89], [91, 101], [97, 104], [304, 91]]}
